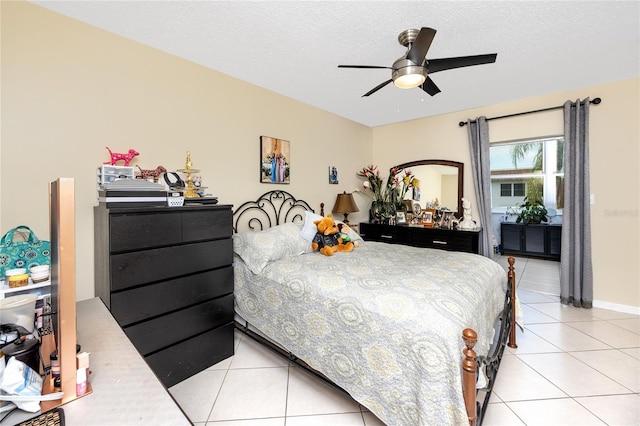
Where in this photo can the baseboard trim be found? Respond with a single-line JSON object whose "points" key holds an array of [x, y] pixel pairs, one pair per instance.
{"points": [[627, 309]]}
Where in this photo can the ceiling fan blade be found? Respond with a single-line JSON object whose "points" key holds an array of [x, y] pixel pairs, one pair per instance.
{"points": [[363, 66], [421, 45], [378, 87], [430, 87], [435, 65]]}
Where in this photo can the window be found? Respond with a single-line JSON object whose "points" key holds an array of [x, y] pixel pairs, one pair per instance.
{"points": [[531, 168], [519, 189]]}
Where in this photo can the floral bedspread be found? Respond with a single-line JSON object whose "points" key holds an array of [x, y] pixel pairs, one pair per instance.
{"points": [[384, 322]]}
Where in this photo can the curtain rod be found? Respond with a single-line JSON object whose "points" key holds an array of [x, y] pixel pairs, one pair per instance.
{"points": [[595, 101]]}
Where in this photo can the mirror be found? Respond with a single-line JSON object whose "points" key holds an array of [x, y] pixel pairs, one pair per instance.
{"points": [[440, 179]]}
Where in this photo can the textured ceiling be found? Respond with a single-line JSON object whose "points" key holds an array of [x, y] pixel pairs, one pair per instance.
{"points": [[293, 48]]}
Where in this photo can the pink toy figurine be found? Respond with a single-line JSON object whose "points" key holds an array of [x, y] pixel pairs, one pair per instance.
{"points": [[116, 156]]}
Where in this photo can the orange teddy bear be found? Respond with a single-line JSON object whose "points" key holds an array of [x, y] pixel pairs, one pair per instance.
{"points": [[327, 240]]}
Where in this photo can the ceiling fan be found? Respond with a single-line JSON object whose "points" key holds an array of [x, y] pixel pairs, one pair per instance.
{"points": [[412, 69]]}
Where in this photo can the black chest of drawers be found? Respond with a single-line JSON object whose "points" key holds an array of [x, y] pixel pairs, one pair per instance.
{"points": [[419, 236], [166, 275]]}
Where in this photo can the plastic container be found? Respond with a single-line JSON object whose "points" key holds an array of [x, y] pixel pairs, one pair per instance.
{"points": [[39, 273], [81, 381], [17, 277], [19, 310], [55, 365]]}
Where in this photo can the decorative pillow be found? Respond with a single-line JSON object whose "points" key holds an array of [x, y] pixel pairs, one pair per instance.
{"points": [[257, 249], [309, 228]]}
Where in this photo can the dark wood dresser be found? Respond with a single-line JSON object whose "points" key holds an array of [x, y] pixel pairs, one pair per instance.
{"points": [[166, 275], [420, 236]]}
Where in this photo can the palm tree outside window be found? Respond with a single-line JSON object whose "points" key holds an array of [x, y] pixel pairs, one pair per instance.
{"points": [[530, 168]]}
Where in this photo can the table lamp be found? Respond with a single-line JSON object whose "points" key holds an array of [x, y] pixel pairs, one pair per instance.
{"points": [[345, 204]]}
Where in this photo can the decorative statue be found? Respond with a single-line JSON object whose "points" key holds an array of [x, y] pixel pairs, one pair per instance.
{"points": [[467, 221], [117, 156], [154, 174]]}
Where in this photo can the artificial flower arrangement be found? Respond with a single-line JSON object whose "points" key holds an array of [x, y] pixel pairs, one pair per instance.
{"points": [[387, 197]]}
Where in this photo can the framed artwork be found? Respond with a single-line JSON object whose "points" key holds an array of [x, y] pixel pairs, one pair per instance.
{"points": [[445, 220], [427, 217], [416, 193], [275, 160], [401, 218], [333, 175]]}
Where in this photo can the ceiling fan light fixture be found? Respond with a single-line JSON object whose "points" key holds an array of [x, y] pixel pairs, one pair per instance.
{"points": [[409, 81], [407, 75]]}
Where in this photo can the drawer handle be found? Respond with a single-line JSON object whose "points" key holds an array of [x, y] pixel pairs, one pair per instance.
{"points": [[444, 243], [388, 237]]}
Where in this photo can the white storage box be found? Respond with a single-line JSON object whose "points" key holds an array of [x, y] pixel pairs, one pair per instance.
{"points": [[108, 173]]}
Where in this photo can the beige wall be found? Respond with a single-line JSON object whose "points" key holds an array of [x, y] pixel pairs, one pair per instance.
{"points": [[69, 90], [614, 159]]}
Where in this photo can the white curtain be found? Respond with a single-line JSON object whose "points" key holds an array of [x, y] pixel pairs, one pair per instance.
{"points": [[576, 274], [479, 143]]}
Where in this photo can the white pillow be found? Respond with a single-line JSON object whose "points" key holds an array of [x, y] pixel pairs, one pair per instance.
{"points": [[309, 228], [257, 249]]}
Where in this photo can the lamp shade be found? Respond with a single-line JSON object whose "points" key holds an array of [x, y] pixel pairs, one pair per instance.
{"points": [[345, 204]]}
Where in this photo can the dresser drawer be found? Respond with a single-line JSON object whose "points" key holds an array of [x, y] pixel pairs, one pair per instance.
{"points": [[151, 300], [143, 230], [141, 267], [136, 231], [158, 333], [445, 240], [174, 364], [201, 225], [385, 234]]}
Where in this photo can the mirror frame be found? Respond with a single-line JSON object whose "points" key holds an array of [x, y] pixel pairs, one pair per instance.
{"points": [[456, 164]]}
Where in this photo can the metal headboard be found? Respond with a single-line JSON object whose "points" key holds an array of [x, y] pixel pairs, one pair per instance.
{"points": [[270, 209]]}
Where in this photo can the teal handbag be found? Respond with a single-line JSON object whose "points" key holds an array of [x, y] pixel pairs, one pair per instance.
{"points": [[23, 254]]}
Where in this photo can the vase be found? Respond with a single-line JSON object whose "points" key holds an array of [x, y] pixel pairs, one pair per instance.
{"points": [[381, 211]]}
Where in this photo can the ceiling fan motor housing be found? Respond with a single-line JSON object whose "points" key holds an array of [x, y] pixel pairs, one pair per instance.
{"points": [[407, 74]]}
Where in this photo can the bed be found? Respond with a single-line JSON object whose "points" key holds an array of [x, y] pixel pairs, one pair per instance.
{"points": [[396, 327]]}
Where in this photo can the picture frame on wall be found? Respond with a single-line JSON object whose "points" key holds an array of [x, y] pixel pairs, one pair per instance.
{"points": [[333, 175], [275, 160]]}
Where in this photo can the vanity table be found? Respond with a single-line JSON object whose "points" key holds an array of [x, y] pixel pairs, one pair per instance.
{"points": [[439, 179], [420, 236]]}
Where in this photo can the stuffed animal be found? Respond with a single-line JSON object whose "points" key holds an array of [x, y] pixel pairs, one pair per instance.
{"points": [[327, 240], [343, 233]]}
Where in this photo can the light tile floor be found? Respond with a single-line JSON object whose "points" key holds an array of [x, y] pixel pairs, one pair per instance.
{"points": [[572, 367]]}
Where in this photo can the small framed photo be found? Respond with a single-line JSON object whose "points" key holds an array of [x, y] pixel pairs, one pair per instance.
{"points": [[427, 217], [445, 220], [401, 218], [333, 175]]}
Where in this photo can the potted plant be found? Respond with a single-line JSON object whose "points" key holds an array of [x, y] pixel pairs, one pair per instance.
{"points": [[532, 212]]}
